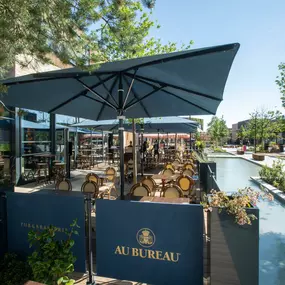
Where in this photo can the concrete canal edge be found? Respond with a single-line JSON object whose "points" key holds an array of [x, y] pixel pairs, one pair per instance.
{"points": [[278, 194]]}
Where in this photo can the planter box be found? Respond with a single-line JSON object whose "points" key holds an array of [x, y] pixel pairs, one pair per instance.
{"points": [[258, 157], [234, 249], [240, 152], [7, 188]]}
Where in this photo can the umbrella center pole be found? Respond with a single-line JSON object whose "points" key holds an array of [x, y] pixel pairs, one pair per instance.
{"points": [[122, 170]]}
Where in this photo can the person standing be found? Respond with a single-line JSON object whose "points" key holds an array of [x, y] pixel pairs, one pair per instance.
{"points": [[156, 149]]}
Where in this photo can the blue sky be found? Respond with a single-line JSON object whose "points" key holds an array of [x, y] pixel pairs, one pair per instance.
{"points": [[258, 25]]}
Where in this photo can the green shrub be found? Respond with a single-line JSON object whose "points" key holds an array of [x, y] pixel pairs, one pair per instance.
{"points": [[274, 175], [200, 145], [52, 259], [13, 270]]}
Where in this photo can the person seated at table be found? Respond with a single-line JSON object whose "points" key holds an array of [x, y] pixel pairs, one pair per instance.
{"points": [[129, 148]]}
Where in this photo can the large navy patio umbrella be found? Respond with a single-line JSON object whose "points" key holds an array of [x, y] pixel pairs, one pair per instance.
{"points": [[181, 83]]}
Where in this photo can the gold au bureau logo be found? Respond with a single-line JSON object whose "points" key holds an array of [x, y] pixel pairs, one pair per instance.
{"points": [[145, 237]]}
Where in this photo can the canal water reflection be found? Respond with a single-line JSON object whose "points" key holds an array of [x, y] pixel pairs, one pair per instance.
{"points": [[234, 173]]}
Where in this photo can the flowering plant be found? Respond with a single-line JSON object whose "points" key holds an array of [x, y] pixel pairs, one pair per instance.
{"points": [[236, 203]]}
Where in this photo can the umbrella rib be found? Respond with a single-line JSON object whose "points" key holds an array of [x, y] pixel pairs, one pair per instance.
{"points": [[111, 90], [109, 93], [78, 95], [98, 95], [136, 96], [168, 92], [130, 88], [176, 87], [86, 96], [193, 104], [144, 97]]}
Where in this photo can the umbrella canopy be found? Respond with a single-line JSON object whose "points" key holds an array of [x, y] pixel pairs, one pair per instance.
{"points": [[180, 83], [38, 126], [149, 125]]}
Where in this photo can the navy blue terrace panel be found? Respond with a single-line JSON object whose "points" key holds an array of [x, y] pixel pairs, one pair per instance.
{"points": [[37, 211], [154, 243]]}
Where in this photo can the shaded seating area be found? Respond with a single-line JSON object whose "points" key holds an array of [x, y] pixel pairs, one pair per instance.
{"points": [[176, 180]]}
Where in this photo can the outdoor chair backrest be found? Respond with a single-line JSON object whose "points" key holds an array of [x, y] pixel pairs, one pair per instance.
{"points": [[175, 163], [140, 189], [188, 165], [63, 185], [169, 165], [92, 177], [185, 182], [90, 187], [111, 174], [189, 172], [168, 172], [172, 191], [148, 181]]}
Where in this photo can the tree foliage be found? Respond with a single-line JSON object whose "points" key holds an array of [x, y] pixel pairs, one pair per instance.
{"points": [[264, 124], [218, 130], [125, 33], [242, 133], [78, 32], [280, 80]]}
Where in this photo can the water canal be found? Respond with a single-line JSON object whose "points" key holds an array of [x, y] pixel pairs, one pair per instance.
{"points": [[234, 173]]}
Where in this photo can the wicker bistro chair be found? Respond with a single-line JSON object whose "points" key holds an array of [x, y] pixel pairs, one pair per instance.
{"points": [[168, 172], [169, 165], [63, 185], [175, 163], [90, 187], [188, 172], [172, 191], [188, 165], [111, 174], [92, 177], [103, 190], [148, 181], [140, 189], [186, 184]]}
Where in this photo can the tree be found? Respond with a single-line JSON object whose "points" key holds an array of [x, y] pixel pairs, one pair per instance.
{"points": [[127, 36], [280, 80], [218, 130], [242, 133], [38, 28], [264, 125]]}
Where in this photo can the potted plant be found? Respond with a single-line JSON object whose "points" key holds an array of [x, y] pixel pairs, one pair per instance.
{"points": [[52, 260], [233, 229]]}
